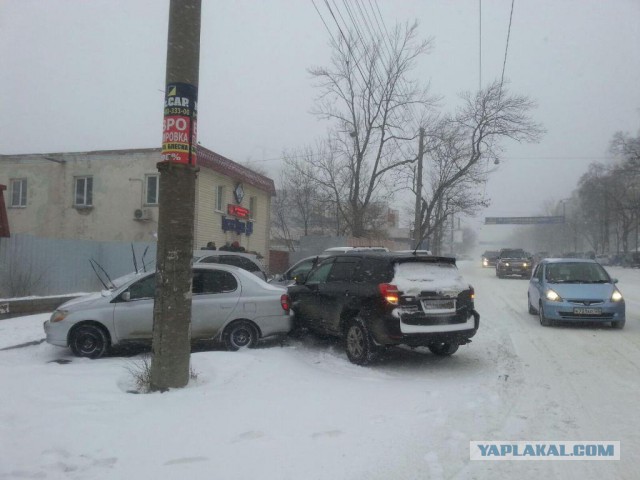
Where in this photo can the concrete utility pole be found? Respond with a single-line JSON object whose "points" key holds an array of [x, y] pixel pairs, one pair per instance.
{"points": [[178, 171], [417, 223]]}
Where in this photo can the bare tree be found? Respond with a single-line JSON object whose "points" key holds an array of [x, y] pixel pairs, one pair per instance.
{"points": [[281, 219], [367, 95], [460, 147]]}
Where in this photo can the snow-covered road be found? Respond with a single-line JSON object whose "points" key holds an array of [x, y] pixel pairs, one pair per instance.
{"points": [[303, 411]]}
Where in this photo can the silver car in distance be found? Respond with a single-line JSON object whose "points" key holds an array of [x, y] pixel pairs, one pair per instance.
{"points": [[229, 304]]}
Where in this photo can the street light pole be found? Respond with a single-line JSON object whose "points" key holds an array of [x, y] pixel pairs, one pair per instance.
{"points": [[417, 225]]}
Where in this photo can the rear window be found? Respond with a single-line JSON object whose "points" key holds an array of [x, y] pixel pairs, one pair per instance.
{"points": [[411, 278]]}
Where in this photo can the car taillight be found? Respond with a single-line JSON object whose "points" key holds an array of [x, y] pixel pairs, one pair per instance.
{"points": [[285, 302], [389, 293]]}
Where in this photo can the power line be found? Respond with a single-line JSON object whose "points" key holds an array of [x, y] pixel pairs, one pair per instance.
{"points": [[506, 49], [274, 159], [355, 46], [480, 46]]}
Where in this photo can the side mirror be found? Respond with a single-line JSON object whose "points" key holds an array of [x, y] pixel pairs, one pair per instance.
{"points": [[126, 296], [614, 280]]}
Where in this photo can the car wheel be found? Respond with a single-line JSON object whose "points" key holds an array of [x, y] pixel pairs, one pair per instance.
{"points": [[532, 310], [240, 334], [360, 347], [619, 325], [444, 349], [544, 321], [88, 341]]}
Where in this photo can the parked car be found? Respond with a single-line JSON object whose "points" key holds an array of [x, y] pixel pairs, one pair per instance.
{"points": [[490, 258], [302, 267], [575, 289], [374, 300], [513, 261], [246, 261], [229, 304]]}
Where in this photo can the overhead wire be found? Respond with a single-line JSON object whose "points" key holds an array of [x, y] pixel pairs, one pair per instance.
{"points": [[351, 45]]}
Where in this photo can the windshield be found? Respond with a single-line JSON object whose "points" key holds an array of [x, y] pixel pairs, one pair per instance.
{"points": [[513, 254], [576, 273]]}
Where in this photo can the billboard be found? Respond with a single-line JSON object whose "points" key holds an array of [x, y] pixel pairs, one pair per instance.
{"points": [[523, 220]]}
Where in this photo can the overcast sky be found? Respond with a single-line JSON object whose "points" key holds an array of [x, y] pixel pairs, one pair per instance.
{"points": [[89, 75]]}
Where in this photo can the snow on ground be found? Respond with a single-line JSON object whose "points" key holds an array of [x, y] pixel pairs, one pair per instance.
{"points": [[300, 410]]}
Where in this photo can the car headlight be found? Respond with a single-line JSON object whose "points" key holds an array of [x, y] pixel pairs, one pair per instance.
{"points": [[506, 264], [616, 296], [525, 264], [58, 316], [553, 296]]}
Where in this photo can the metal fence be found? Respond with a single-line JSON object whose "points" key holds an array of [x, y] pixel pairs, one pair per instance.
{"points": [[44, 266]]}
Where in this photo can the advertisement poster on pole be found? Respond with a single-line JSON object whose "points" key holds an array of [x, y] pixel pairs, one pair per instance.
{"points": [[179, 128]]}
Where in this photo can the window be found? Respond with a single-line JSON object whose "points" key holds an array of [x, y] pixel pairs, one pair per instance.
{"points": [[84, 192], [253, 207], [19, 192], [213, 281], [152, 189], [302, 269], [343, 269], [319, 275], [220, 198], [145, 288]]}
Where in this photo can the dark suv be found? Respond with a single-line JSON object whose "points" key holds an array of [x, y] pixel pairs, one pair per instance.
{"points": [[373, 300], [514, 261]]}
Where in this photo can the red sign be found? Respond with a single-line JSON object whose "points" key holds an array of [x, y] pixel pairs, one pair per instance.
{"points": [[179, 129], [238, 211]]}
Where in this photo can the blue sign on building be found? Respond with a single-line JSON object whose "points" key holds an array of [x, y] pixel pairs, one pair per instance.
{"points": [[235, 225]]}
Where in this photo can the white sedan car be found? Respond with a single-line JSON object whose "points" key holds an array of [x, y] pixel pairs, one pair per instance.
{"points": [[229, 304]]}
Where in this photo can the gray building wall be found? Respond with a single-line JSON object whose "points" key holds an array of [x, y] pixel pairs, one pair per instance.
{"points": [[32, 265]]}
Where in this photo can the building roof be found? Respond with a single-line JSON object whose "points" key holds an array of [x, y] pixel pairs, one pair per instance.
{"points": [[220, 164], [4, 221], [206, 158]]}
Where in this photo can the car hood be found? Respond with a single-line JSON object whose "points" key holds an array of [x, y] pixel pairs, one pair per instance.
{"points": [[584, 291], [85, 300]]}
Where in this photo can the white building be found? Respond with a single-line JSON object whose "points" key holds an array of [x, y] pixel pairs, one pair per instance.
{"points": [[113, 196]]}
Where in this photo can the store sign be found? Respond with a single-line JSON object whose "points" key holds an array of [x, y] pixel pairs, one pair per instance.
{"points": [[179, 128], [235, 225], [238, 211]]}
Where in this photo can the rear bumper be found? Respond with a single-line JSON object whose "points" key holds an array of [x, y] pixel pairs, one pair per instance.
{"points": [[276, 324], [392, 331]]}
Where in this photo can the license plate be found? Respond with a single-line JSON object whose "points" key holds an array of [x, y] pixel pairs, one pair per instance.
{"points": [[587, 311], [439, 306]]}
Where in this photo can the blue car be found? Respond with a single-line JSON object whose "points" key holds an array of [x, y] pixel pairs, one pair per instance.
{"points": [[574, 289]]}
